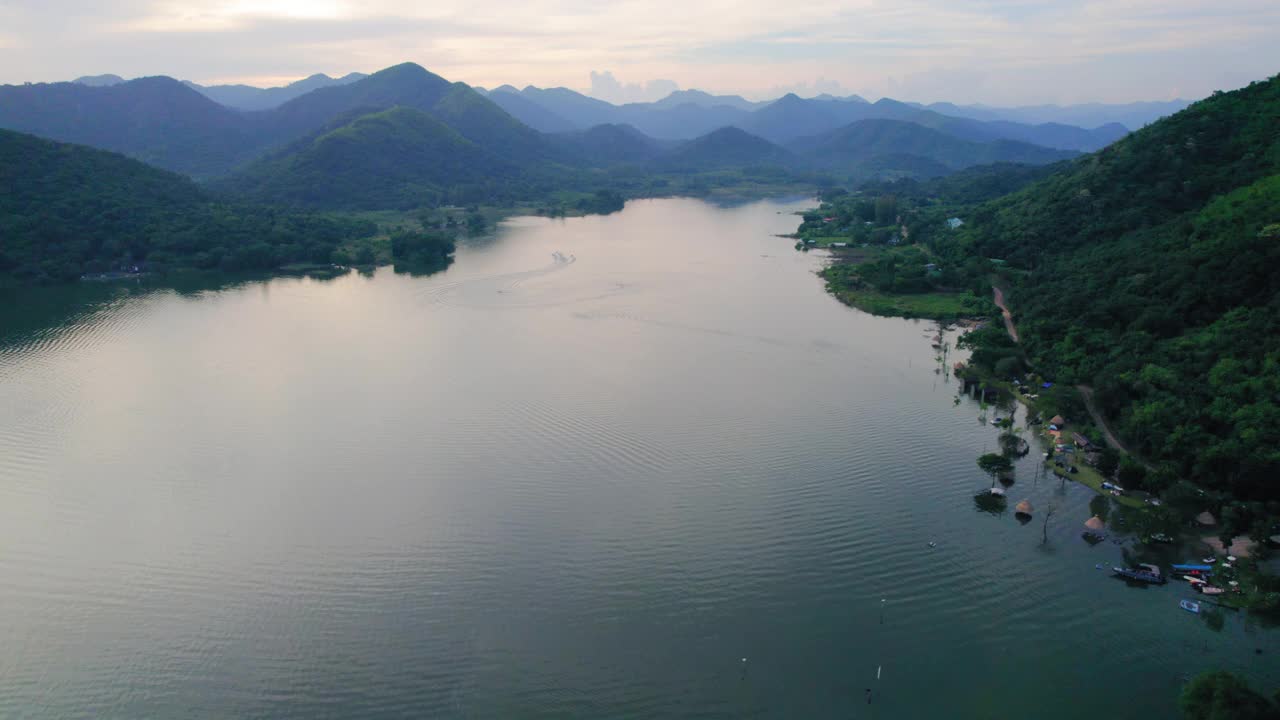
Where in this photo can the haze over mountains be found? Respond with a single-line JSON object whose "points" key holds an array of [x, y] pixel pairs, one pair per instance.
{"points": [[687, 114], [402, 134], [243, 97]]}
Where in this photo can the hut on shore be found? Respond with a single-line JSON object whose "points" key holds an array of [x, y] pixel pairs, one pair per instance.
{"points": [[1058, 420], [1206, 518], [1094, 523]]}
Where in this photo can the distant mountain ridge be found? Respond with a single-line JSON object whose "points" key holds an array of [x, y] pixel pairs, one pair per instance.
{"points": [[687, 114], [1087, 115], [248, 97], [898, 145], [171, 125], [99, 80], [502, 142]]}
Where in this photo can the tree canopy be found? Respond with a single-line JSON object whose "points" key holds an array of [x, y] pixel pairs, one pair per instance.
{"points": [[1219, 695]]}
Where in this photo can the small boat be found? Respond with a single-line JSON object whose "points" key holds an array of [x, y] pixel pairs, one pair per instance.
{"points": [[1209, 560], [997, 491], [1144, 572], [1194, 569], [1161, 538], [1189, 606], [1211, 590], [1195, 580]]}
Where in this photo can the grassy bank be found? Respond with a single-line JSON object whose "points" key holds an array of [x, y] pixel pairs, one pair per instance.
{"points": [[934, 305]]}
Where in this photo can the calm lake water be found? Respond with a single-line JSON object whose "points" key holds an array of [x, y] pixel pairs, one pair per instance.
{"points": [[583, 473]]}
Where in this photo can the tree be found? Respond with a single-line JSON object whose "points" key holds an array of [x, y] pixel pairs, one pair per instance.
{"points": [[1219, 695], [995, 464], [1131, 473], [1108, 462], [1009, 366]]}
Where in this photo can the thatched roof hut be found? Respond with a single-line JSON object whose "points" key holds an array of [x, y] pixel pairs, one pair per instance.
{"points": [[1023, 507], [1094, 523], [1206, 518], [1058, 420]]}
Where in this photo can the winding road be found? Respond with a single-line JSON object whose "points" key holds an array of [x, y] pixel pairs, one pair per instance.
{"points": [[1008, 316], [1086, 392]]}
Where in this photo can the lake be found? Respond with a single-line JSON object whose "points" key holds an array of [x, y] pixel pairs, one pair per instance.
{"points": [[583, 473]]}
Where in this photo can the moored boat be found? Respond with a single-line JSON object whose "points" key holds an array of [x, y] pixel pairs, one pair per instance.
{"points": [[1189, 606], [1144, 572]]}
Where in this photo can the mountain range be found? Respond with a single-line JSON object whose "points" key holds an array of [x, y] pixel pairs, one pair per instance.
{"points": [[173, 125], [1131, 115], [242, 97], [687, 114]]}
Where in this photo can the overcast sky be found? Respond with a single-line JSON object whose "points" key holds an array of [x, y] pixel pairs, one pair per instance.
{"points": [[993, 51]]}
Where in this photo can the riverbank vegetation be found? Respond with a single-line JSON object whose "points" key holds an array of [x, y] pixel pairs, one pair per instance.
{"points": [[67, 211], [1159, 295], [1142, 273]]}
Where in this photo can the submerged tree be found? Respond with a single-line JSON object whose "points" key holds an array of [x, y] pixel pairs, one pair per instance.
{"points": [[1048, 513], [995, 464], [1219, 695]]}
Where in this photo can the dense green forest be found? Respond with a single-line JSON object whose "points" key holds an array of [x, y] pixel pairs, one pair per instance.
{"points": [[67, 210], [1147, 271], [400, 158]]}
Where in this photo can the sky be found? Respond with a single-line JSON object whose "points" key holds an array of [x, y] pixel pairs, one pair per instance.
{"points": [[989, 51]]}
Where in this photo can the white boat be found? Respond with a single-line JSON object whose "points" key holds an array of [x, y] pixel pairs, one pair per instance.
{"points": [[1189, 606], [997, 491]]}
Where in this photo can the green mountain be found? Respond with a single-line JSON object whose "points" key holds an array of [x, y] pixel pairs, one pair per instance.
{"points": [[157, 120], [1148, 271], [166, 123], [481, 121], [66, 210], [399, 158], [878, 146], [728, 147], [607, 145], [529, 112]]}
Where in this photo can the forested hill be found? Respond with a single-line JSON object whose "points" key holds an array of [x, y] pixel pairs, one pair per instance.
{"points": [[1148, 270], [66, 210], [397, 158]]}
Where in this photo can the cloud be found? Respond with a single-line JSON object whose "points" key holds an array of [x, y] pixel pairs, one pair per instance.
{"points": [[985, 50], [606, 87]]}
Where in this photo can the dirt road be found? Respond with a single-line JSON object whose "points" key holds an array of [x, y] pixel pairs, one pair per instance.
{"points": [[1008, 316]]}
